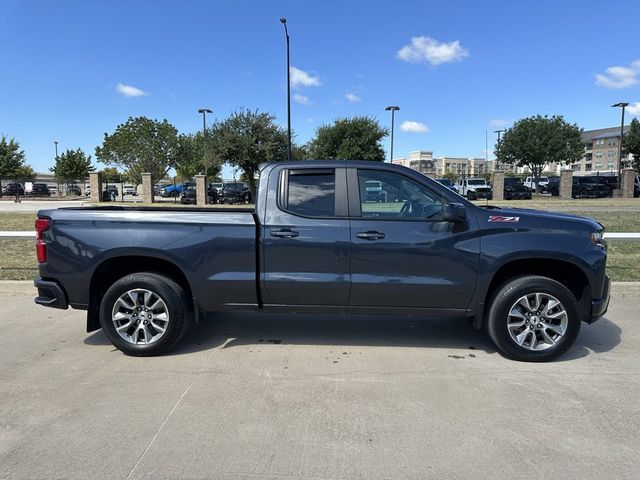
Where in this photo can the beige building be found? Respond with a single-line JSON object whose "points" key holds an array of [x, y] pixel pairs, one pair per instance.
{"points": [[602, 148], [424, 162]]}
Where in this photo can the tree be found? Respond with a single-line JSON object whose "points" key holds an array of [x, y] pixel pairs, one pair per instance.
{"points": [[11, 157], [357, 138], [111, 175], [25, 172], [536, 141], [631, 143], [247, 139], [141, 145], [451, 175], [192, 155], [72, 165]]}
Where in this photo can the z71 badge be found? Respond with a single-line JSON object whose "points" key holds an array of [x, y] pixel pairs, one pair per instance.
{"points": [[503, 219]]}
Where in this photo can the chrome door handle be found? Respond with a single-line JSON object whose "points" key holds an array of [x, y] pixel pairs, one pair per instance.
{"points": [[370, 235], [284, 233]]}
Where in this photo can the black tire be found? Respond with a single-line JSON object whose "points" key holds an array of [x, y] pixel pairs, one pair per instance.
{"points": [[506, 296], [173, 295]]}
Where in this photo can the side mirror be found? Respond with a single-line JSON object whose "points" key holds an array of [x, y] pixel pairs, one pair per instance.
{"points": [[454, 212]]}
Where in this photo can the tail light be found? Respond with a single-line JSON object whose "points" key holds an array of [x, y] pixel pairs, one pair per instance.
{"points": [[42, 224]]}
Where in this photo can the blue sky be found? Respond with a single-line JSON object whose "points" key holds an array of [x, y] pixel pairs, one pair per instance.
{"points": [[73, 70]]}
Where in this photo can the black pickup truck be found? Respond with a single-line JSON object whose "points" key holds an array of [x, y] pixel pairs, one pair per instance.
{"points": [[316, 243]]}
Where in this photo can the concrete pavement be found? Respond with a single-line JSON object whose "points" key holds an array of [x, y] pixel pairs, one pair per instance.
{"points": [[250, 396]]}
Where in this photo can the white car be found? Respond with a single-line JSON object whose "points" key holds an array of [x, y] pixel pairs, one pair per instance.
{"points": [[129, 190], [474, 188], [529, 182]]}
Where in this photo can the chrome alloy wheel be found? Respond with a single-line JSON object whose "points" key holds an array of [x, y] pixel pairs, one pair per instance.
{"points": [[140, 316], [537, 321]]}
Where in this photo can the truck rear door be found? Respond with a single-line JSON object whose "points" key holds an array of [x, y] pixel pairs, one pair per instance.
{"points": [[305, 238]]}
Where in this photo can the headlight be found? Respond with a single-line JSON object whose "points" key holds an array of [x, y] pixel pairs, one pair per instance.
{"points": [[598, 239]]}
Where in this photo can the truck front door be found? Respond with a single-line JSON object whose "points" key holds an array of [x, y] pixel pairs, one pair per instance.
{"points": [[402, 253]]}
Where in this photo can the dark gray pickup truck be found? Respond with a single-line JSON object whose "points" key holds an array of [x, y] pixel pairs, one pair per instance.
{"points": [[318, 241]]}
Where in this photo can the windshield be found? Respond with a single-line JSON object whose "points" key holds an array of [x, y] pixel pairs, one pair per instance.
{"points": [[476, 181]]}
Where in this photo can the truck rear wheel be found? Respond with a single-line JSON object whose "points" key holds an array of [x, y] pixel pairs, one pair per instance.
{"points": [[145, 314], [533, 319]]}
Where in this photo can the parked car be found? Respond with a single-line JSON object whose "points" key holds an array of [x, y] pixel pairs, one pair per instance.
{"points": [[73, 190], [112, 191], [213, 193], [235, 192], [587, 187], [40, 190], [188, 196], [514, 189], [87, 190], [603, 183], [474, 188], [373, 192], [542, 183], [446, 182], [553, 186], [14, 189], [53, 190], [171, 190], [636, 187], [129, 190], [312, 244]]}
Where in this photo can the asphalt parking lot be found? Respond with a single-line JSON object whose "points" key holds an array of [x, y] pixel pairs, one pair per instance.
{"points": [[250, 396]]}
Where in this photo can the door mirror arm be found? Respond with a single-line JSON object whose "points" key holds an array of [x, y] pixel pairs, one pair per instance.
{"points": [[454, 212]]}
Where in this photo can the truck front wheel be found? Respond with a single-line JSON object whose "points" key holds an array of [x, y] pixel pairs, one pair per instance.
{"points": [[533, 319], [145, 314]]}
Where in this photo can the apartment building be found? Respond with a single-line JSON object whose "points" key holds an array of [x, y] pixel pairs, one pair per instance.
{"points": [[424, 162], [602, 148]]}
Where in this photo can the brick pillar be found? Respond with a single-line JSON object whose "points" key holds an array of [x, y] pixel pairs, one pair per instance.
{"points": [[628, 177], [95, 183], [566, 183], [201, 190], [147, 188], [498, 185]]}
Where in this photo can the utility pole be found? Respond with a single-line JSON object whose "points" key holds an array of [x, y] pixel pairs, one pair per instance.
{"points": [[393, 109], [622, 105], [286, 32]]}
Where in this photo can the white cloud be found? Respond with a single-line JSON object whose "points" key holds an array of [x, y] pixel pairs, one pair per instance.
{"points": [[619, 77], [352, 97], [300, 78], [414, 127], [497, 123], [634, 109], [301, 99], [130, 90], [430, 50], [309, 120]]}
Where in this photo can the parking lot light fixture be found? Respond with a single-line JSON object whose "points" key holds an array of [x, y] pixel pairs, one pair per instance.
{"points": [[283, 21], [392, 109], [622, 105]]}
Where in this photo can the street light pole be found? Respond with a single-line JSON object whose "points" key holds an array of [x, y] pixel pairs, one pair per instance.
{"points": [[204, 112], [392, 109], [622, 105], [55, 142], [499, 132], [286, 32]]}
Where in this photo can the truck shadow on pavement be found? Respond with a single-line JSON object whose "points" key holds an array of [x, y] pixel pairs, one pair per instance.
{"points": [[231, 329]]}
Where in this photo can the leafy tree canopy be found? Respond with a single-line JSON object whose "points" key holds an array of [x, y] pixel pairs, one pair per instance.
{"points": [[25, 173], [111, 175], [194, 151], [631, 143], [534, 142], [356, 138], [72, 165], [247, 139], [141, 145], [11, 157]]}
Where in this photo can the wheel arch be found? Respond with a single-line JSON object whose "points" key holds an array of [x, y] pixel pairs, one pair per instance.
{"points": [[562, 271], [111, 269]]}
